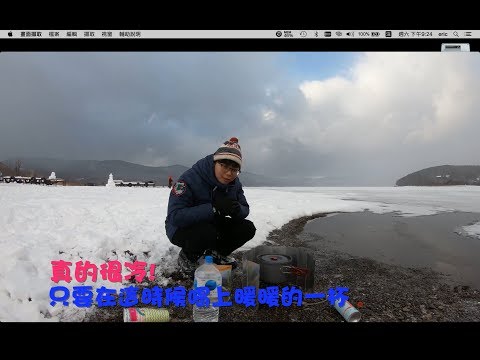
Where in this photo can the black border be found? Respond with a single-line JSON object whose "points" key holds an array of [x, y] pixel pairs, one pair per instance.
{"points": [[231, 45], [350, 338], [308, 338]]}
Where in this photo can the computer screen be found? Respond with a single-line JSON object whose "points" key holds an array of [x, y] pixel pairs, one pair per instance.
{"points": [[332, 175]]}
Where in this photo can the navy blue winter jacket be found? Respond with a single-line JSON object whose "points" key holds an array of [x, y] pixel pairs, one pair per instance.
{"points": [[192, 196]]}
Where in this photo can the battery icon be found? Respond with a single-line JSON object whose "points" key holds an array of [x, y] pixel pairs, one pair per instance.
{"points": [[327, 33]]}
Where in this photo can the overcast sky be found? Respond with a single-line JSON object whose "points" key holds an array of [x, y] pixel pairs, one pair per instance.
{"points": [[364, 118]]}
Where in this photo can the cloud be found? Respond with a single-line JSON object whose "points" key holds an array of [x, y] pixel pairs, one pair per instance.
{"points": [[399, 98], [403, 110], [383, 115]]}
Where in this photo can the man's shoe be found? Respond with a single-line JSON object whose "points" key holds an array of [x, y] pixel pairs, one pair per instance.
{"points": [[223, 260], [186, 264]]}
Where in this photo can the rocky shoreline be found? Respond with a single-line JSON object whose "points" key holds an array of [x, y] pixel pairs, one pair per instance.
{"points": [[381, 292]]}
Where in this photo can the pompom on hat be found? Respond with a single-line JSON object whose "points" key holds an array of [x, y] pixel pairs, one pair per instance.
{"points": [[229, 150]]}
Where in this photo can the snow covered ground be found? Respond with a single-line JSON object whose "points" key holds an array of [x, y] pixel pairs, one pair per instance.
{"points": [[41, 224]]}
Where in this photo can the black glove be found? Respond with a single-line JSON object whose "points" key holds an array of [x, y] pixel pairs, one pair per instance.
{"points": [[223, 206], [235, 211]]}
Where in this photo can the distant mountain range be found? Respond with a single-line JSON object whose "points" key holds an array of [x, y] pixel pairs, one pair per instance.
{"points": [[94, 172], [443, 175]]}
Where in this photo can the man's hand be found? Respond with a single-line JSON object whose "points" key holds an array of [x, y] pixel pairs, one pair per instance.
{"points": [[235, 211], [224, 206]]}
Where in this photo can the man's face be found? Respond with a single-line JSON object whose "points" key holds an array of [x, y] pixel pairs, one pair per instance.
{"points": [[226, 171]]}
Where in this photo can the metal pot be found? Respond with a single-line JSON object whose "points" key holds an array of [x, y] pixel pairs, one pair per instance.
{"points": [[274, 267]]}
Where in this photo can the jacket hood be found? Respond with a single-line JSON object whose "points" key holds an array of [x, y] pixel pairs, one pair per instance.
{"points": [[205, 169]]}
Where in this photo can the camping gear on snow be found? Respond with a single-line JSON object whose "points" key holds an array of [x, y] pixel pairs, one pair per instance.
{"points": [[280, 265]]}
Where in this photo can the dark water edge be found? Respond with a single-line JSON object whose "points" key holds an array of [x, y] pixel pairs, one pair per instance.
{"points": [[433, 241], [382, 292]]}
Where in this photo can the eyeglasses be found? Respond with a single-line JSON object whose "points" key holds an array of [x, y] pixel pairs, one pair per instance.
{"points": [[226, 168]]}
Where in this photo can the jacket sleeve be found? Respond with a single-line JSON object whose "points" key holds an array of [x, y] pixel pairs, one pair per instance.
{"points": [[181, 211], [242, 200]]}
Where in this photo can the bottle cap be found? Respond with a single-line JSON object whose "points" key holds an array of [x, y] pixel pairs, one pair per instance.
{"points": [[208, 259]]}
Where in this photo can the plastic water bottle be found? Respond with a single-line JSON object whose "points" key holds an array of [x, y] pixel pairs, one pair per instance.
{"points": [[207, 275]]}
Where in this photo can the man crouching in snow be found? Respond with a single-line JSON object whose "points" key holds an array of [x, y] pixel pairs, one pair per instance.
{"points": [[207, 209]]}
